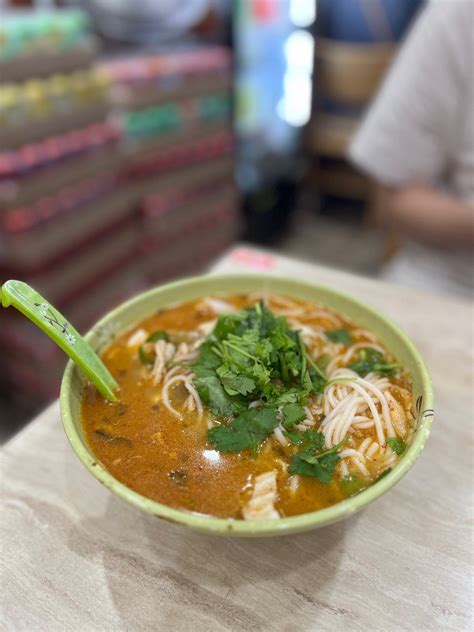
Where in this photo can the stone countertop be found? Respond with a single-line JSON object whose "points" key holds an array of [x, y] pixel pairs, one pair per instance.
{"points": [[75, 557]]}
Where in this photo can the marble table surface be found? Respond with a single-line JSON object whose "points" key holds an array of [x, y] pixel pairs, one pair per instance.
{"points": [[75, 557]]}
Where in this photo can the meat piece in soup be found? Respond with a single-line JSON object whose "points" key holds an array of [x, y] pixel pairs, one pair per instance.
{"points": [[250, 407]]}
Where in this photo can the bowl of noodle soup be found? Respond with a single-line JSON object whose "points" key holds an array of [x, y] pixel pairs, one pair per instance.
{"points": [[250, 406]]}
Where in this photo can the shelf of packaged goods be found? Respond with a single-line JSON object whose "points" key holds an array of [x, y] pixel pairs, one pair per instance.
{"points": [[49, 62]]}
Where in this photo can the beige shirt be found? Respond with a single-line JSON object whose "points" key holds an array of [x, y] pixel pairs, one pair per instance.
{"points": [[420, 129]]}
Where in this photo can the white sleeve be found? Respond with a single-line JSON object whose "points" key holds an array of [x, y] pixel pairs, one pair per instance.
{"points": [[408, 133]]}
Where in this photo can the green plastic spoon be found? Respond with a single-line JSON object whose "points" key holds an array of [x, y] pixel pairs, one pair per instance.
{"points": [[48, 319]]}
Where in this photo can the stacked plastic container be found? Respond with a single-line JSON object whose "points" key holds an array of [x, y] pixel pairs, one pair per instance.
{"points": [[112, 177], [176, 108], [64, 227]]}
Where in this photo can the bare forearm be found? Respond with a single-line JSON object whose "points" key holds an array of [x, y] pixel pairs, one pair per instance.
{"points": [[427, 215]]}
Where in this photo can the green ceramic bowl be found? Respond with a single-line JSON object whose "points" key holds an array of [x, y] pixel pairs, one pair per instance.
{"points": [[146, 304]]}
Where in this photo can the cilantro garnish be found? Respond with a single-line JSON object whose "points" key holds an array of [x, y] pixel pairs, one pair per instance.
{"points": [[369, 360], [397, 444], [296, 436], [292, 414], [341, 336], [253, 355], [312, 461], [248, 430], [310, 441]]}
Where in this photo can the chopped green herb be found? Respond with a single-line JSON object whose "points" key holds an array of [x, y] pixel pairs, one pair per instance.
{"points": [[312, 461], [233, 383], [295, 436], [322, 469], [397, 444], [341, 336], [292, 414], [253, 355], [143, 354], [214, 394], [313, 441], [248, 430], [370, 360], [318, 381]]}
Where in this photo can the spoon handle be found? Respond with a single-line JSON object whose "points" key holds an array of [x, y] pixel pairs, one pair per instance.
{"points": [[32, 305]]}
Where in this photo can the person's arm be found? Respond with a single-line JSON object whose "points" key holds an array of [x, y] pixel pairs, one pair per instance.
{"points": [[425, 214], [409, 142]]}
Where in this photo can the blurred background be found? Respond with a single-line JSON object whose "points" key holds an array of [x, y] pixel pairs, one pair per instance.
{"points": [[140, 140]]}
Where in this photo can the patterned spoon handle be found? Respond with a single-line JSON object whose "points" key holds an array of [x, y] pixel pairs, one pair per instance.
{"points": [[48, 319]]}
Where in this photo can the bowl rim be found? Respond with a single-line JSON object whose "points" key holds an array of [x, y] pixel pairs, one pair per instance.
{"points": [[231, 526]]}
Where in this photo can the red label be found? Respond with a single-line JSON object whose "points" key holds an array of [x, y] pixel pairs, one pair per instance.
{"points": [[253, 259]]}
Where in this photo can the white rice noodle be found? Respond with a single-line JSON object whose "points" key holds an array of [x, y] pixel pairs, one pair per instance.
{"points": [[382, 383], [279, 436], [137, 338], [344, 468], [361, 419], [330, 400], [262, 504], [287, 312], [190, 403], [397, 414], [198, 342], [383, 402], [372, 450], [283, 301], [308, 412], [186, 380], [389, 457], [360, 345], [337, 403], [362, 425], [206, 327], [293, 483], [282, 465], [174, 371], [337, 418], [342, 359], [282, 306], [341, 425], [158, 369], [324, 315], [315, 408], [164, 353], [357, 459], [364, 333], [365, 444], [218, 306], [305, 424], [404, 395], [287, 307], [333, 364], [302, 312], [308, 331], [184, 353]]}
